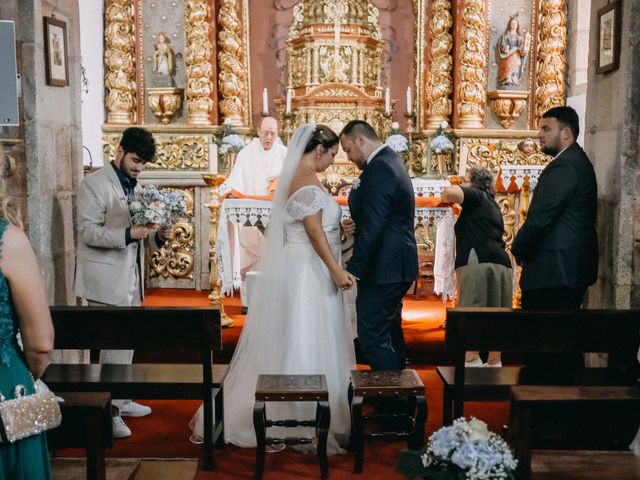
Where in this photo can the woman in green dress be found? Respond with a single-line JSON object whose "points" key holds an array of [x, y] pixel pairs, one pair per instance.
{"points": [[24, 309]]}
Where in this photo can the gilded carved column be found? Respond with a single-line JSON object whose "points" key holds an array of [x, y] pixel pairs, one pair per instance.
{"points": [[473, 77], [232, 56], [119, 57], [197, 65], [439, 80], [552, 61]]}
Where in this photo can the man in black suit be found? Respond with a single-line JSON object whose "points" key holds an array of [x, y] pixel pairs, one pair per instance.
{"points": [[557, 246], [385, 256]]}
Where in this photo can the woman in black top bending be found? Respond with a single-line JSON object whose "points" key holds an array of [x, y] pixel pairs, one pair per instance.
{"points": [[483, 268]]}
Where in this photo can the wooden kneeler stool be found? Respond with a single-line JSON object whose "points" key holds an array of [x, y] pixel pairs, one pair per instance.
{"points": [[386, 384], [292, 388]]}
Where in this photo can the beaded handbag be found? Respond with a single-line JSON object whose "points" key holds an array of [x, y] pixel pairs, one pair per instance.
{"points": [[27, 415]]}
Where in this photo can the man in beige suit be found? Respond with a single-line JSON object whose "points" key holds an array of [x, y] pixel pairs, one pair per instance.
{"points": [[110, 252]]}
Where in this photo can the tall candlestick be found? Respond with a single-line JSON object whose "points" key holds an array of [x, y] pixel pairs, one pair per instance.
{"points": [[409, 102], [265, 101], [289, 95], [387, 101]]}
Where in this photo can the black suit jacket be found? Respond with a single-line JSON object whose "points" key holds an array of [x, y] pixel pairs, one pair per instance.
{"points": [[557, 246], [383, 207]]}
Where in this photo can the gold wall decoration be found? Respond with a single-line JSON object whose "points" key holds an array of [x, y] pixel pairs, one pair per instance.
{"points": [[506, 202], [176, 258], [491, 153], [552, 61], [420, 35], [175, 152], [198, 68], [164, 102], [508, 105], [439, 85], [473, 65], [232, 62], [119, 57]]}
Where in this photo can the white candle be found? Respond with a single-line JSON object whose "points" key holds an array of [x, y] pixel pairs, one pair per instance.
{"points": [[387, 101], [265, 101], [409, 102], [289, 95]]}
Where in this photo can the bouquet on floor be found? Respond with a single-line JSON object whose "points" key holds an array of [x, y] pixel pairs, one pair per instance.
{"points": [[465, 450], [149, 206], [397, 141]]}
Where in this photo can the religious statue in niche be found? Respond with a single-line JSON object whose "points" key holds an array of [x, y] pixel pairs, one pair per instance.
{"points": [[164, 62], [513, 47]]}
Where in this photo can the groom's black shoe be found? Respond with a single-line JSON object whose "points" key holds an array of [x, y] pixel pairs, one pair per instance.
{"points": [[244, 310]]}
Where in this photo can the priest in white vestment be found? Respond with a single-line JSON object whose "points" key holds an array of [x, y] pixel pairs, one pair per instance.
{"points": [[255, 168]]}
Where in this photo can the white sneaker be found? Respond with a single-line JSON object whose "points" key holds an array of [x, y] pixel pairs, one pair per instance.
{"points": [[492, 365], [120, 429], [134, 409], [476, 362]]}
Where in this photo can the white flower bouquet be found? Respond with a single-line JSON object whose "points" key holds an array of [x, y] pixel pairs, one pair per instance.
{"points": [[149, 206], [466, 450], [441, 142], [398, 143], [231, 143]]}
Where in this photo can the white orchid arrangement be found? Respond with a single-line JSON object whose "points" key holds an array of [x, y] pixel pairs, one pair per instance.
{"points": [[465, 450], [441, 141], [396, 141], [149, 206]]}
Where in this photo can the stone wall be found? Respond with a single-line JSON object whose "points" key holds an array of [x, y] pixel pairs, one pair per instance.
{"points": [[611, 141], [52, 145]]}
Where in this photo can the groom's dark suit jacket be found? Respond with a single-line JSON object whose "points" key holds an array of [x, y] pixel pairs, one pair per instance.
{"points": [[383, 207], [557, 246]]}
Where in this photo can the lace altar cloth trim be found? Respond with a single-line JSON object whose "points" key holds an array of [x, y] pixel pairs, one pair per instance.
{"points": [[519, 173]]}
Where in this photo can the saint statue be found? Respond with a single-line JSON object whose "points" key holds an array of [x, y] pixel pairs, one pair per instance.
{"points": [[513, 47], [164, 61]]}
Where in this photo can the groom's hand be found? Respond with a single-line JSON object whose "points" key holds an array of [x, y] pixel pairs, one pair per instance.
{"points": [[348, 226]]}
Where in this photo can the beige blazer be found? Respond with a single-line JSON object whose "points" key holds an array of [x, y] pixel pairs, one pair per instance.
{"points": [[105, 266]]}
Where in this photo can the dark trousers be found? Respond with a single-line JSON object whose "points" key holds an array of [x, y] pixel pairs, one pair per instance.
{"points": [[379, 309], [556, 298]]}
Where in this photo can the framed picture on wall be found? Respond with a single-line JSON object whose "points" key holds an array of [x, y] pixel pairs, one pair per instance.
{"points": [[608, 52], [55, 49]]}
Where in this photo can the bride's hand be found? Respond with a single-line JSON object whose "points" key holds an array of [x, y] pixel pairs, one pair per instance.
{"points": [[343, 279]]}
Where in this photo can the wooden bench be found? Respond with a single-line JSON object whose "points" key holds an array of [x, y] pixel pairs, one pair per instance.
{"points": [[188, 334], [525, 331], [86, 423], [584, 432]]}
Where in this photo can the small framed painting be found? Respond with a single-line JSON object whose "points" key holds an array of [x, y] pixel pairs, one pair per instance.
{"points": [[55, 48], [608, 52]]}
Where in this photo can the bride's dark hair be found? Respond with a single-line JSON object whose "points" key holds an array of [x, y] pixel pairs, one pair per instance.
{"points": [[322, 135]]}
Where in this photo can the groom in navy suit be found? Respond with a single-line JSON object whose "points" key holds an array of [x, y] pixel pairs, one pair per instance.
{"points": [[385, 256]]}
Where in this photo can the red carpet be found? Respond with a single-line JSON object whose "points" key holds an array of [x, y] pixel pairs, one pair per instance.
{"points": [[165, 433]]}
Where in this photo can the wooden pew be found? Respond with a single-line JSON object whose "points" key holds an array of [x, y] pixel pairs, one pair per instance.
{"points": [[191, 334], [575, 432], [525, 331]]}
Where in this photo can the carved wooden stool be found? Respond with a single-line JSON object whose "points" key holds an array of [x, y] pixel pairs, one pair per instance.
{"points": [[384, 385], [292, 388]]}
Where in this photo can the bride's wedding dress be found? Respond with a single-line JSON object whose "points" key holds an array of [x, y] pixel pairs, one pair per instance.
{"points": [[299, 329]]}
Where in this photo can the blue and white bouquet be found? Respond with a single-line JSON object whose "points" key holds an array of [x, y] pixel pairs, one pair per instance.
{"points": [[396, 141], [231, 143], [441, 141], [466, 450], [149, 206]]}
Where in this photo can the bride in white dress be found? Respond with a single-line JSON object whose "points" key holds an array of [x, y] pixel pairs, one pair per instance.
{"points": [[296, 321]]}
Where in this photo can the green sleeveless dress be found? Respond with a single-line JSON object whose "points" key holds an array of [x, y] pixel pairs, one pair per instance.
{"points": [[27, 458]]}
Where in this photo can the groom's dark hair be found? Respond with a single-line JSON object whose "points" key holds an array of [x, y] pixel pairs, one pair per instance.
{"points": [[359, 127]]}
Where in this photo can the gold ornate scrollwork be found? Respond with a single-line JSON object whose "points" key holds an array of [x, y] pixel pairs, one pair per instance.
{"points": [[119, 59], [197, 65], [492, 153], [439, 78], [232, 81], [508, 105], [552, 61], [473, 78], [506, 202], [176, 258]]}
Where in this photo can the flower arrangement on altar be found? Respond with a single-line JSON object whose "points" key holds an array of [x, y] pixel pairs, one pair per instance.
{"points": [[465, 450], [397, 141], [149, 206], [228, 141], [441, 141]]}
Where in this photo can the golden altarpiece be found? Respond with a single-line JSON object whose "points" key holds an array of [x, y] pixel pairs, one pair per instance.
{"points": [[485, 70]]}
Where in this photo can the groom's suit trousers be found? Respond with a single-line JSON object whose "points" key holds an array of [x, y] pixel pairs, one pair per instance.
{"points": [[380, 324]]}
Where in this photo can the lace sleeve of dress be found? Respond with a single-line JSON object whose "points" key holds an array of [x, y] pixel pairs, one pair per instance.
{"points": [[306, 201]]}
